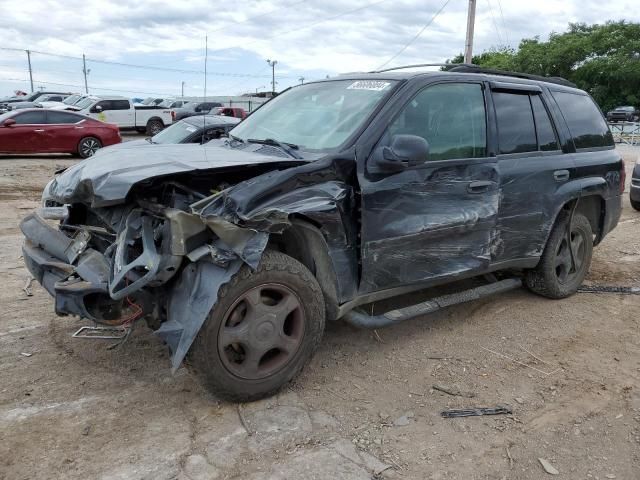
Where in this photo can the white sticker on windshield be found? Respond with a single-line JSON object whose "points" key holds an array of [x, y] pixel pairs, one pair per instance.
{"points": [[375, 85], [191, 129]]}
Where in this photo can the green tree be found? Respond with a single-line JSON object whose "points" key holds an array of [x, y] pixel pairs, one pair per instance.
{"points": [[603, 59]]}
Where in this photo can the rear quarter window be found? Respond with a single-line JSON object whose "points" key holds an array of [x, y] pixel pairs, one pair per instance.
{"points": [[586, 124]]}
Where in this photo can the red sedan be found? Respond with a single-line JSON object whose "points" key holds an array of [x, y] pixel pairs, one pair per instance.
{"points": [[50, 131]]}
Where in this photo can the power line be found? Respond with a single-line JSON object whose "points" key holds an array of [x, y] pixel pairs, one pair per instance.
{"points": [[82, 87], [504, 24], [131, 65], [408, 44], [495, 25]]}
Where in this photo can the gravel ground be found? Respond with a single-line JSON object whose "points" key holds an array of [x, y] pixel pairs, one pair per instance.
{"points": [[366, 408]]}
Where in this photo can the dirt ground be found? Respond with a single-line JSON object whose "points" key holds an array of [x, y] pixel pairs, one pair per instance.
{"points": [[365, 408]]}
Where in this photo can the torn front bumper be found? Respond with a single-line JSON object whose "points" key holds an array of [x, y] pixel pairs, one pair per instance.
{"points": [[72, 273]]}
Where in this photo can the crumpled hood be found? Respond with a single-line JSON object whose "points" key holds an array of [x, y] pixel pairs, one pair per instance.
{"points": [[106, 178]]}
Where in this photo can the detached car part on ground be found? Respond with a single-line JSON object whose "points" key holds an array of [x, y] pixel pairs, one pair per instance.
{"points": [[333, 195]]}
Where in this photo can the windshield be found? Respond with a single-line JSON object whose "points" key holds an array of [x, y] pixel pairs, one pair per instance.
{"points": [[148, 101], [625, 109], [315, 116], [87, 102], [175, 133], [72, 99]]}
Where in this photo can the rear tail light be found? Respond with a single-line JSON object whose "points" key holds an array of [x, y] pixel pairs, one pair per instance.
{"points": [[623, 176], [173, 115]]}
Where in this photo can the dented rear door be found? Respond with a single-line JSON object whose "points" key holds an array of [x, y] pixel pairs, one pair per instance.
{"points": [[437, 219]]}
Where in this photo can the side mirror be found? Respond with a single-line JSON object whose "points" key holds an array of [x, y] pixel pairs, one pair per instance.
{"points": [[404, 151], [8, 122], [96, 109]]}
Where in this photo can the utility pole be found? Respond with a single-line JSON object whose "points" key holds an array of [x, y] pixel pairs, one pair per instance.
{"points": [[301, 80], [182, 89], [30, 71], [272, 64], [471, 21], [85, 72]]}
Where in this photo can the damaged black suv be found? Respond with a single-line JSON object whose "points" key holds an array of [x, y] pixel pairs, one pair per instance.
{"points": [[333, 195]]}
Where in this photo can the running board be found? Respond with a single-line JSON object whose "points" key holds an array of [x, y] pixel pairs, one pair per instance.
{"points": [[362, 320]]}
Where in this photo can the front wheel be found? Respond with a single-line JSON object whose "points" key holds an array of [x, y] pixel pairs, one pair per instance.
{"points": [[88, 146], [559, 274], [154, 126], [635, 204], [263, 330]]}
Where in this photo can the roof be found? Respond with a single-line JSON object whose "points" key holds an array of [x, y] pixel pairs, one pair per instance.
{"points": [[399, 73], [210, 120]]}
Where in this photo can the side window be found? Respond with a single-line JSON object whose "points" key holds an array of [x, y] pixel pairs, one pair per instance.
{"points": [[55, 98], [30, 118], [62, 117], [585, 122], [516, 129], [119, 105], [547, 140], [104, 105], [450, 116]]}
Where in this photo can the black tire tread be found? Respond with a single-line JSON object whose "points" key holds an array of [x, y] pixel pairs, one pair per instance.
{"points": [[198, 357], [541, 279], [635, 205]]}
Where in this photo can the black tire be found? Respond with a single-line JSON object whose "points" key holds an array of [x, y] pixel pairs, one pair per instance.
{"points": [[221, 368], [154, 126], [635, 204], [553, 277], [88, 146]]}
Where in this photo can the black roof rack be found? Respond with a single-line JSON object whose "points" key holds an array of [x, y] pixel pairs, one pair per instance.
{"points": [[464, 68], [426, 65]]}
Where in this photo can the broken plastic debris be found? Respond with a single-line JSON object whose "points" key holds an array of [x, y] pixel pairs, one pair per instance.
{"points": [[550, 469]]}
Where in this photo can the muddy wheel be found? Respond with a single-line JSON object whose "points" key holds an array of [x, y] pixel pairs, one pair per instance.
{"points": [[88, 146], [557, 276], [154, 126], [262, 331]]}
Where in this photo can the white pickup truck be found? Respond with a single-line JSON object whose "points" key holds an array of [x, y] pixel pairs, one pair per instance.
{"points": [[120, 111]]}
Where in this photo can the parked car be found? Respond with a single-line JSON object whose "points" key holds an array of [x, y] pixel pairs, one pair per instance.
{"points": [[171, 103], [230, 112], [32, 97], [151, 102], [194, 108], [120, 111], [61, 105], [51, 131], [333, 195], [48, 98], [634, 192], [623, 114], [190, 130]]}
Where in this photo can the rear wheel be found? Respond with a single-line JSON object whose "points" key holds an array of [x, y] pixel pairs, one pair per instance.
{"points": [[559, 274], [88, 146], [635, 204], [154, 126], [262, 331]]}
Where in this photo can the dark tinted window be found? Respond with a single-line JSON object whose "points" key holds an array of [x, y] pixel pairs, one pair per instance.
{"points": [[119, 105], [547, 140], [104, 105], [30, 118], [451, 117], [55, 98], [516, 130], [585, 122], [62, 117]]}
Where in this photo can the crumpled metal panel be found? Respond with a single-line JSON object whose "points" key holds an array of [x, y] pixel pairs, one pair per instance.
{"points": [[106, 179], [194, 295]]}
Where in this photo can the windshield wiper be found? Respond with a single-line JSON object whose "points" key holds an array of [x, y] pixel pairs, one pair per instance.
{"points": [[287, 147]]}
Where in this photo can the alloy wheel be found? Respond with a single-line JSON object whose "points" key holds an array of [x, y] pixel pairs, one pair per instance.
{"points": [[261, 332]]}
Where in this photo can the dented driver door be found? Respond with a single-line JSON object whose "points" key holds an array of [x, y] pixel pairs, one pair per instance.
{"points": [[436, 219]]}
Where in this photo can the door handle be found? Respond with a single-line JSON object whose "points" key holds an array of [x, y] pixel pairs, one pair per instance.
{"points": [[561, 175], [479, 186], [39, 130]]}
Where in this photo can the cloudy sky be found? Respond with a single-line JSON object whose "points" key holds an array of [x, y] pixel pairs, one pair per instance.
{"points": [[308, 38]]}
